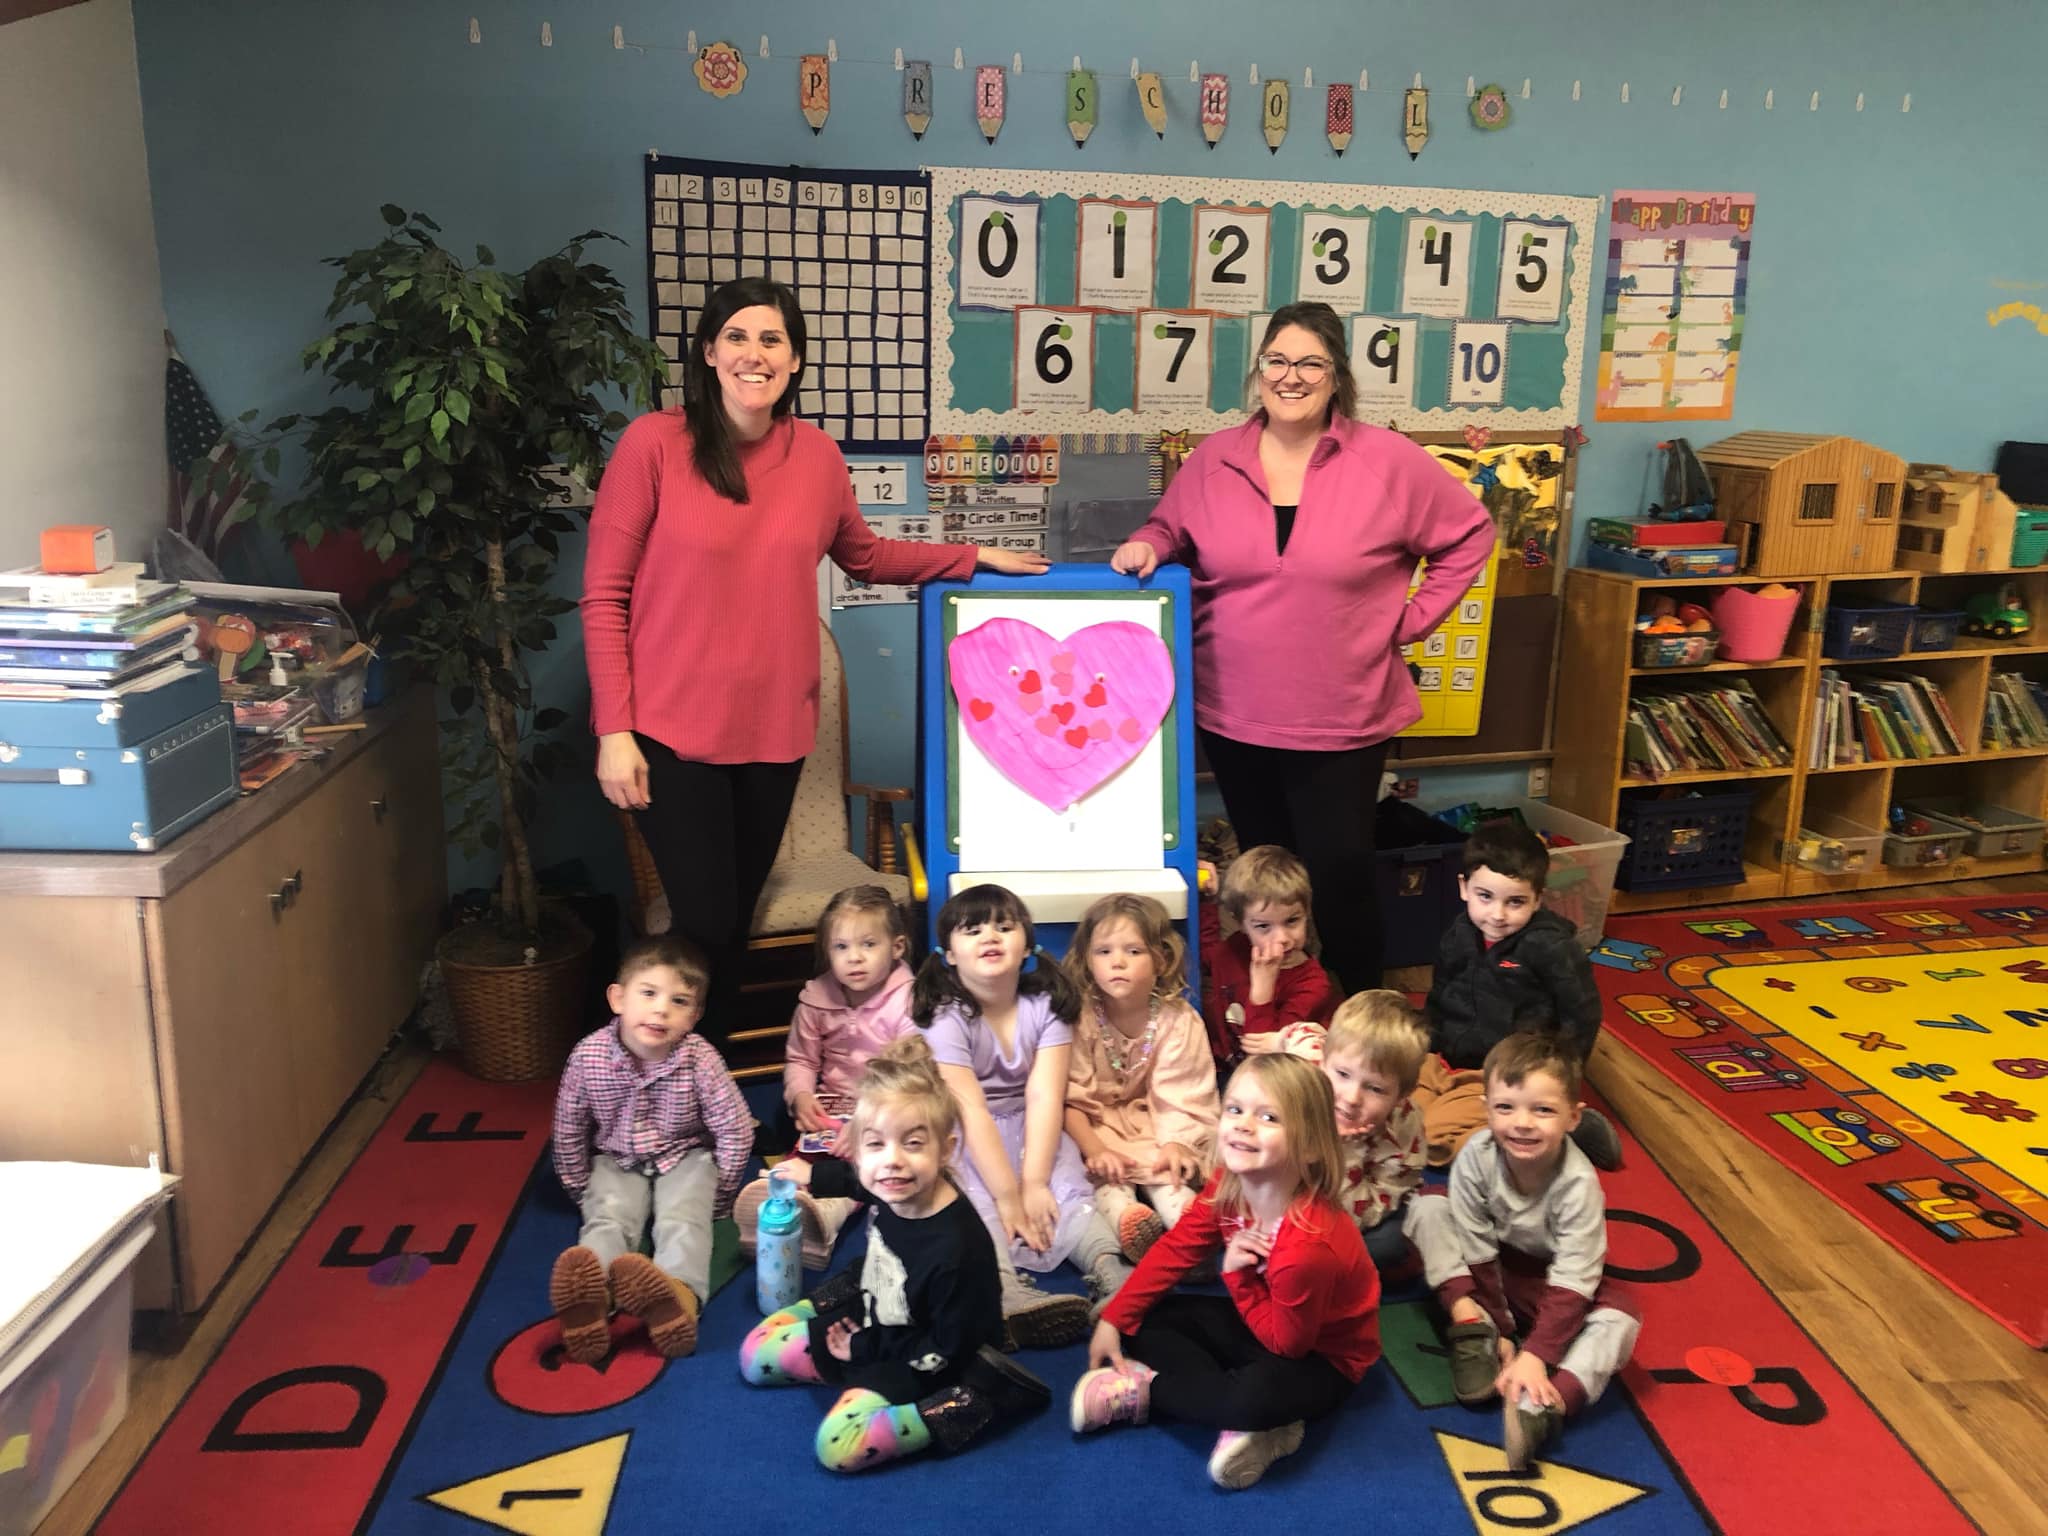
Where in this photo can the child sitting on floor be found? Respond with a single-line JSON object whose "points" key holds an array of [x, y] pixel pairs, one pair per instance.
{"points": [[1301, 1323], [648, 1126], [1516, 1249], [858, 1002], [1261, 979], [910, 1336], [1141, 1090], [1003, 1038], [1505, 965], [1372, 1054]]}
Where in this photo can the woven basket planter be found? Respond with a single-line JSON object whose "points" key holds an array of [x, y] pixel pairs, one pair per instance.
{"points": [[516, 1022]]}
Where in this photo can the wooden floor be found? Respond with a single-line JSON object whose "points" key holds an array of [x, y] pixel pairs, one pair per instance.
{"points": [[1969, 1398]]}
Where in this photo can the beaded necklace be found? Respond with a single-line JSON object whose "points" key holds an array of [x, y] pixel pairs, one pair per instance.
{"points": [[1112, 1038]]}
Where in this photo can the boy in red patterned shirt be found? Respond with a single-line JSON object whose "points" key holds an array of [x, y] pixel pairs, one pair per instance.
{"points": [[649, 1126]]}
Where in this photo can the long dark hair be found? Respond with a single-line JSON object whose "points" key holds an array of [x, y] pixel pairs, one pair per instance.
{"points": [[712, 448], [1320, 321], [937, 984]]}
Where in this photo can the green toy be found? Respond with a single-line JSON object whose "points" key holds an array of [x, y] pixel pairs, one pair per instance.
{"points": [[2000, 615]]}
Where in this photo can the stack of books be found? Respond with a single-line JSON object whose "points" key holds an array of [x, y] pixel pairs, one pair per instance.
{"points": [[92, 637], [1880, 717], [2015, 713], [1721, 729]]}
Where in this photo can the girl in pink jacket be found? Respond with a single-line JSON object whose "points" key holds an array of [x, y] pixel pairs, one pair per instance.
{"points": [[857, 1003]]}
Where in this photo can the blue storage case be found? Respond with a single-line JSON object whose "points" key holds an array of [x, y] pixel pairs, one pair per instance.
{"points": [[117, 722], [112, 795]]}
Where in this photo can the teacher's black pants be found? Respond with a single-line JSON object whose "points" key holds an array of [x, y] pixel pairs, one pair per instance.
{"points": [[1320, 806], [713, 829]]}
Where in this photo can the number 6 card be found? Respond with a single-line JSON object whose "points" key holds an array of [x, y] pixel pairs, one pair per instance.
{"points": [[1173, 360], [1055, 359]]}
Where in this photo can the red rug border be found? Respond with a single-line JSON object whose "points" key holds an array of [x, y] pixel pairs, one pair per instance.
{"points": [[1666, 1066]]}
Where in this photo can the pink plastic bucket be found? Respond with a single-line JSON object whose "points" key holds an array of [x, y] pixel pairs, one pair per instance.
{"points": [[1753, 628]]}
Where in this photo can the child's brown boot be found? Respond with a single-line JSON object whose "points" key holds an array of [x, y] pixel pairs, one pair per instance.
{"points": [[665, 1306], [582, 1303]]}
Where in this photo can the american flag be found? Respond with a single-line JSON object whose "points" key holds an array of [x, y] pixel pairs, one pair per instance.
{"points": [[193, 430]]}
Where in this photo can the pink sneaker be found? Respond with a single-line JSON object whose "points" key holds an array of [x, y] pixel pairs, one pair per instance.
{"points": [[1242, 1455], [1103, 1397]]}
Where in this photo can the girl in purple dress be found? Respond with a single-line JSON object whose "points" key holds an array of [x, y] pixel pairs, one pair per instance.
{"points": [[1002, 1037]]}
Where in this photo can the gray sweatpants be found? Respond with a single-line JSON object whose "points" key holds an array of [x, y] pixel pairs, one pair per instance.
{"points": [[1607, 1336], [618, 1205]]}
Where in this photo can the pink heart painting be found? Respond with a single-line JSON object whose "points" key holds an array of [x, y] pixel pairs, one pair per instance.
{"points": [[1109, 684]]}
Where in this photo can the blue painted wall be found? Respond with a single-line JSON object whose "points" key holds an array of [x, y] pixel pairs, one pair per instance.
{"points": [[1883, 238]]}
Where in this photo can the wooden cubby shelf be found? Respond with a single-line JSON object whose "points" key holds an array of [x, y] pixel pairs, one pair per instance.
{"points": [[1595, 666]]}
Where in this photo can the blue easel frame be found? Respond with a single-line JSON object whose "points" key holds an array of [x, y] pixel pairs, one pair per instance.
{"points": [[937, 715]]}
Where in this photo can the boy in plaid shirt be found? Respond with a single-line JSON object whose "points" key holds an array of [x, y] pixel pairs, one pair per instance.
{"points": [[648, 1124]]}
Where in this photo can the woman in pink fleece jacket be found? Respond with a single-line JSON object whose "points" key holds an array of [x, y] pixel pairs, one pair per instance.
{"points": [[1300, 531]]}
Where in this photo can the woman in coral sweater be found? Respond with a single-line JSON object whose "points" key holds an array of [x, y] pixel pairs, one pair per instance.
{"points": [[700, 614], [1301, 530]]}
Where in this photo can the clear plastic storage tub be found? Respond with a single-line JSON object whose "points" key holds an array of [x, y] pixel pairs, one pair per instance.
{"points": [[1581, 884]]}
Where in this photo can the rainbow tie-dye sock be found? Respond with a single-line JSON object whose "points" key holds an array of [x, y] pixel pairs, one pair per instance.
{"points": [[778, 1352], [864, 1429]]}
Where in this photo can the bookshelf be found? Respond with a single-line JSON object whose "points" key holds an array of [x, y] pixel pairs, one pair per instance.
{"points": [[1598, 680]]}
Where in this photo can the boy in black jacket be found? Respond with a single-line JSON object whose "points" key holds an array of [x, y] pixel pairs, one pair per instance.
{"points": [[1506, 965]]}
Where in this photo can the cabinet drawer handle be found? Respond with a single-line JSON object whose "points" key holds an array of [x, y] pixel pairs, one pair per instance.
{"points": [[278, 902], [293, 884], [379, 806]]}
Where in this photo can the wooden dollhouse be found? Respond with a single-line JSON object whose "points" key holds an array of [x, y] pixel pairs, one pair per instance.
{"points": [[1805, 505]]}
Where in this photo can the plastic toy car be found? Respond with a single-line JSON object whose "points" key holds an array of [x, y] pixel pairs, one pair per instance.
{"points": [[2000, 615]]}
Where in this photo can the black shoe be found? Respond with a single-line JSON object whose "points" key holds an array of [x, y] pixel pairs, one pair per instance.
{"points": [[993, 1390], [1597, 1138]]}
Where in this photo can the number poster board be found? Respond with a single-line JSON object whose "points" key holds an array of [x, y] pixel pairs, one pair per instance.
{"points": [[1087, 301], [854, 245]]}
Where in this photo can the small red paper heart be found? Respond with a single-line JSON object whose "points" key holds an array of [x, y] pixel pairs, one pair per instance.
{"points": [[1063, 662], [1077, 737], [981, 709], [1031, 683], [1064, 711], [1477, 438], [1130, 730], [1099, 729], [1031, 703], [1046, 725], [1095, 697], [1064, 681]]}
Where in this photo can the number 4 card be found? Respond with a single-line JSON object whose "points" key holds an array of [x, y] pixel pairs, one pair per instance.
{"points": [[1532, 271], [1436, 266], [1173, 360], [1055, 359]]}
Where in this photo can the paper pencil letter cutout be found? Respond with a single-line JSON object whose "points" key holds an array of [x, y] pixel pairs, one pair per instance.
{"points": [[814, 89], [1415, 119], [1215, 107], [1081, 104], [917, 96], [1152, 102], [1273, 118], [991, 88], [1337, 118]]}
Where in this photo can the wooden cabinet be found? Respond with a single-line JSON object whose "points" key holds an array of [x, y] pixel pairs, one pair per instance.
{"points": [[216, 1004], [1597, 677]]}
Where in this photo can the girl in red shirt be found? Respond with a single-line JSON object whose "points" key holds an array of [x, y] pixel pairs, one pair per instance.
{"points": [[1301, 1324]]}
